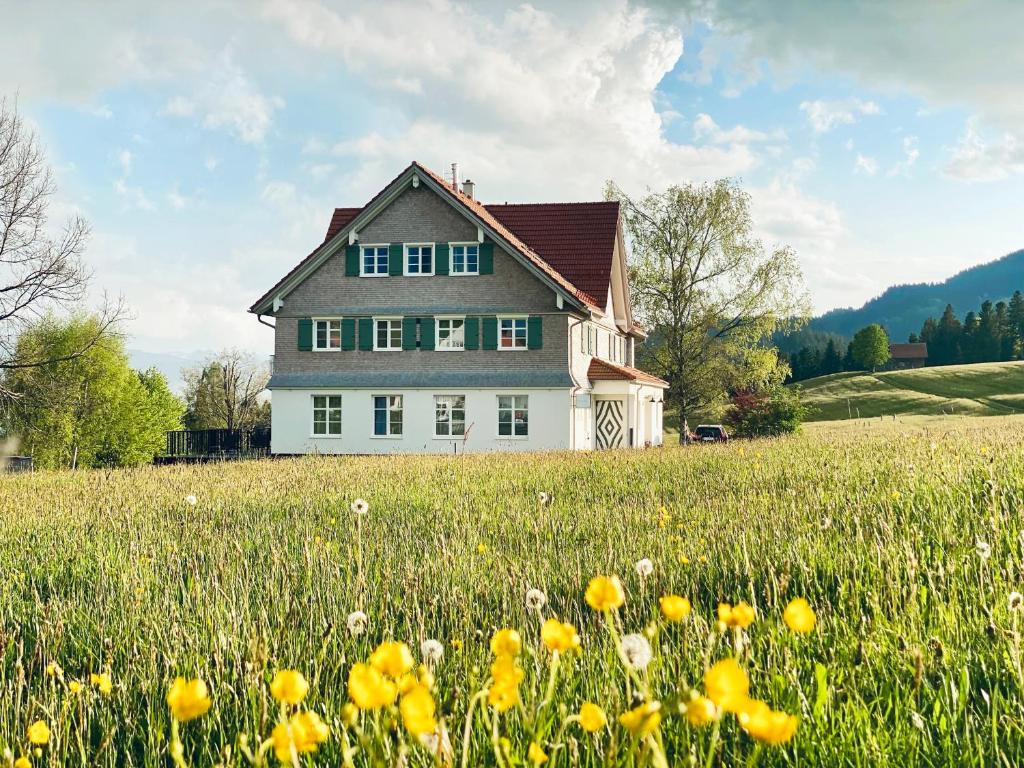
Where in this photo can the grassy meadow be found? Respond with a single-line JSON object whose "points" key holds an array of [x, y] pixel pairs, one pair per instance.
{"points": [[906, 538], [982, 389]]}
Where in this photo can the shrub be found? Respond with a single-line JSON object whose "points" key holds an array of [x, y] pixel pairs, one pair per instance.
{"points": [[766, 412]]}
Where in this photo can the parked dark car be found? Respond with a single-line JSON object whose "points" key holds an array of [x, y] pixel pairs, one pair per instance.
{"points": [[711, 433]]}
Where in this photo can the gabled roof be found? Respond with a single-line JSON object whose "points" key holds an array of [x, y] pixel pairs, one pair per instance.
{"points": [[917, 351], [602, 370], [571, 244]]}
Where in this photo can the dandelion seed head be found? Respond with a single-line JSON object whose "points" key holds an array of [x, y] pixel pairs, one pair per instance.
{"points": [[1015, 601], [191, 500], [360, 507], [535, 599], [917, 721], [431, 650], [356, 623], [983, 549], [544, 497], [644, 567], [637, 651]]}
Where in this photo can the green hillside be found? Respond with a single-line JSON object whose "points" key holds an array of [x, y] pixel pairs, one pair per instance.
{"points": [[985, 389]]}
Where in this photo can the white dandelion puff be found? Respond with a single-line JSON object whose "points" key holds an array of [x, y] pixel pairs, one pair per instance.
{"points": [[438, 744], [360, 507], [356, 623], [644, 567], [637, 651], [191, 500], [535, 599], [917, 721], [544, 497], [1015, 601], [983, 549], [432, 650]]}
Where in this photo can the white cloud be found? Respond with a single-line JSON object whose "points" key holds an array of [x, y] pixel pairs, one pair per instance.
{"points": [[706, 129], [866, 165], [179, 106], [175, 199], [978, 159], [910, 155], [826, 115]]}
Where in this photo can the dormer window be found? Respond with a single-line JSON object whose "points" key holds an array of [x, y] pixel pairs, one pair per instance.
{"points": [[465, 259], [374, 261], [419, 259]]}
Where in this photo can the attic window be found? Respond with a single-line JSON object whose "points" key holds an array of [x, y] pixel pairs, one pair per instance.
{"points": [[374, 260], [419, 259], [465, 259]]}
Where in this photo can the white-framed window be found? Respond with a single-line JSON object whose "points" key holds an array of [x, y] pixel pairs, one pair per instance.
{"points": [[327, 334], [419, 259], [590, 339], [373, 261], [513, 416], [511, 333], [451, 334], [387, 334], [465, 259], [449, 415], [326, 415], [387, 415]]}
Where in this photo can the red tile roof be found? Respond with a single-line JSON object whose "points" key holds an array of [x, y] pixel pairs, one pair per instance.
{"points": [[908, 351], [572, 243], [602, 370]]}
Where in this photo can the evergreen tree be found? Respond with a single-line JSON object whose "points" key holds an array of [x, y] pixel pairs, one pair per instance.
{"points": [[1015, 316], [849, 364], [969, 338], [831, 362], [987, 341], [944, 348]]}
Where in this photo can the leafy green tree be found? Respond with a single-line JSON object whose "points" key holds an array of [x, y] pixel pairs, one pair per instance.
{"points": [[871, 347], [709, 290], [225, 393], [771, 411], [89, 408]]}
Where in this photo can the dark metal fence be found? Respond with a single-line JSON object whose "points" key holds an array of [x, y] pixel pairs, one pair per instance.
{"points": [[217, 443]]}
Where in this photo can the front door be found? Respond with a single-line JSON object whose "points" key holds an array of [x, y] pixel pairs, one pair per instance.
{"points": [[610, 432]]}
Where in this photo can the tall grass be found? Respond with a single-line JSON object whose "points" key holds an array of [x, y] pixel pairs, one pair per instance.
{"points": [[915, 658]]}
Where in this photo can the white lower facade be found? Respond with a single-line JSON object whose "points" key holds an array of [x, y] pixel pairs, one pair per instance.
{"points": [[350, 421]]}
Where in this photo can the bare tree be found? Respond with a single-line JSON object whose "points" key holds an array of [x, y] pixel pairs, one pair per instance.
{"points": [[40, 270], [224, 393]]}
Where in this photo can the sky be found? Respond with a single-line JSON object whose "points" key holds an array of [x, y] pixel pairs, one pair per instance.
{"points": [[207, 143]]}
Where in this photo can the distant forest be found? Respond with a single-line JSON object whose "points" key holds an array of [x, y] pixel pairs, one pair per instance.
{"points": [[993, 333]]}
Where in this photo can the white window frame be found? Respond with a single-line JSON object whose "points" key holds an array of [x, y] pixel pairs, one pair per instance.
{"points": [[438, 319], [328, 320], [526, 332], [387, 319], [388, 409], [451, 259], [405, 259], [328, 408], [362, 260], [450, 436], [513, 409]]}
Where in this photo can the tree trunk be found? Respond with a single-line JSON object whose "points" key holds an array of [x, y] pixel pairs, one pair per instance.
{"points": [[684, 427]]}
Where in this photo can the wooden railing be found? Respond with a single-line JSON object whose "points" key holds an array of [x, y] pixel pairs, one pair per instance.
{"points": [[218, 443]]}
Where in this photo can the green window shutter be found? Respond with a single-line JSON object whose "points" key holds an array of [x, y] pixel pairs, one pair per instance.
{"points": [[366, 334], [427, 333], [348, 333], [490, 332], [408, 333], [534, 332], [440, 258], [486, 258], [305, 334], [352, 261], [472, 329], [395, 254]]}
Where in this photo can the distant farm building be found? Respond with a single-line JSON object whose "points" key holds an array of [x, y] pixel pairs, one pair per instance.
{"points": [[903, 356]]}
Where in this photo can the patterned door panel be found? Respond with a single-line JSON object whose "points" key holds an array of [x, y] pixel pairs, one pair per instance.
{"points": [[610, 431]]}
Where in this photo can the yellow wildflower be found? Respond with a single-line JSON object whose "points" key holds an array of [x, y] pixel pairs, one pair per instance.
{"points": [[369, 689], [418, 709], [506, 642], [536, 754], [393, 659], [74, 686], [559, 636], [799, 616], [349, 714], [700, 711], [674, 607], [765, 724], [592, 717], [740, 615], [39, 733], [727, 685], [188, 699], [684, 560], [504, 691], [22, 762], [604, 593], [289, 686], [52, 669], [103, 682], [305, 730], [643, 720], [481, 548]]}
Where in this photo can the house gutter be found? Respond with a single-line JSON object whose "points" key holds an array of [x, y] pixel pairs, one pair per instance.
{"points": [[576, 387], [260, 318]]}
